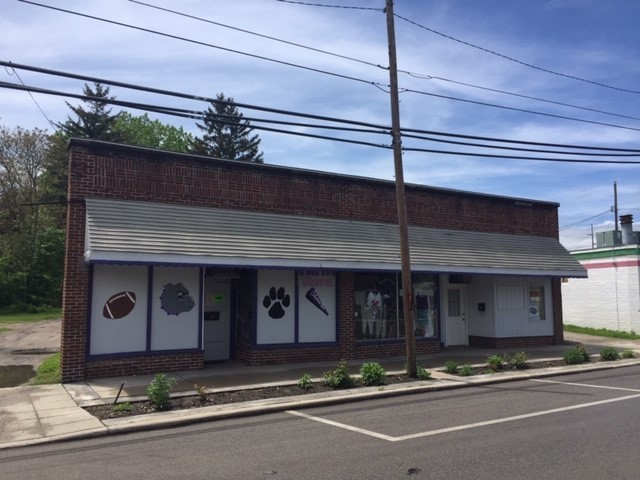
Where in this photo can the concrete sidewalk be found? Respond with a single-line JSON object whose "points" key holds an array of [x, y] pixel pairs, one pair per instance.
{"points": [[39, 414]]}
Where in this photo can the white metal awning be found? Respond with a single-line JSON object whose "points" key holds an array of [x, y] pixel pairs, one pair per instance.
{"points": [[143, 232]]}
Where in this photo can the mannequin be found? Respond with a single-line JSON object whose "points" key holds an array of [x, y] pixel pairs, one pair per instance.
{"points": [[373, 314]]}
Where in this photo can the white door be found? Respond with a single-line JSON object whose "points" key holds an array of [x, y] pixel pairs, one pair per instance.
{"points": [[457, 332], [217, 321]]}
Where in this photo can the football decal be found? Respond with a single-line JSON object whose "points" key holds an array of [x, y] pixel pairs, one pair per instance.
{"points": [[119, 305]]}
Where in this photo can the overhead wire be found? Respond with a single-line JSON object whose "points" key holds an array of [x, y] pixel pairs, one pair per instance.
{"points": [[380, 127], [316, 70], [11, 72], [324, 5], [201, 43], [256, 34], [584, 220], [506, 57], [376, 65], [200, 115]]}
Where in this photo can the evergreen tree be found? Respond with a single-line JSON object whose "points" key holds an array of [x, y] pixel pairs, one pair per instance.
{"points": [[227, 135], [94, 120]]}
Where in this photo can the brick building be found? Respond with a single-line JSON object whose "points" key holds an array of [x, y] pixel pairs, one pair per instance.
{"points": [[174, 260]]}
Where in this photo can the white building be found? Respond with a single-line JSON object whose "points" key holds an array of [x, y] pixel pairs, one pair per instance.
{"points": [[610, 296]]}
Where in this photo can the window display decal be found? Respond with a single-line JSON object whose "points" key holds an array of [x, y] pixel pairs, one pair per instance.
{"points": [[119, 305], [175, 299], [274, 302], [313, 296]]}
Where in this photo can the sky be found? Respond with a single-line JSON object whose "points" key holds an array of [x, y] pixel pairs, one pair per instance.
{"points": [[502, 69]]}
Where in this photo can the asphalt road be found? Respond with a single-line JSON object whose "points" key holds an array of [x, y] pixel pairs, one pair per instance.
{"points": [[582, 426]]}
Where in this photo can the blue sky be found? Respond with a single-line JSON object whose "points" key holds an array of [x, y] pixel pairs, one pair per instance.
{"points": [[589, 39]]}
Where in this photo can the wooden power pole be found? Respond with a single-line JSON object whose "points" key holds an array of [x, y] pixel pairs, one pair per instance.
{"points": [[407, 286]]}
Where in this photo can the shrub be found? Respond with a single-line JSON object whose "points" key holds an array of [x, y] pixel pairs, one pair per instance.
{"points": [[495, 362], [159, 390], [451, 367], [201, 391], [628, 354], [339, 378], [423, 374], [466, 370], [609, 354], [122, 407], [519, 360], [305, 383], [575, 356], [372, 374]]}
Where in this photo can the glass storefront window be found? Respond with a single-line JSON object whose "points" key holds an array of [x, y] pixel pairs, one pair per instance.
{"points": [[379, 311]]}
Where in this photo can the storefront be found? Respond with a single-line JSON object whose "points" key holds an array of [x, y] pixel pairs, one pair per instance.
{"points": [[176, 260]]}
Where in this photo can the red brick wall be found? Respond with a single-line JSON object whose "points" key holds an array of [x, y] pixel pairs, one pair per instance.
{"points": [[101, 170], [510, 342]]}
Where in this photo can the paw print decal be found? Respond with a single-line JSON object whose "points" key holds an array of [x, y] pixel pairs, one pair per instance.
{"points": [[275, 301]]}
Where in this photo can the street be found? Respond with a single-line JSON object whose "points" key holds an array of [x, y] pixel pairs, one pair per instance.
{"points": [[572, 427]]}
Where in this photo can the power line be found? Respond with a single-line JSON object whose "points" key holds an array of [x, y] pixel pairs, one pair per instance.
{"points": [[249, 32], [330, 6], [372, 64], [199, 115], [523, 110], [325, 72], [198, 42], [9, 71], [506, 57], [520, 95], [299, 114], [585, 220]]}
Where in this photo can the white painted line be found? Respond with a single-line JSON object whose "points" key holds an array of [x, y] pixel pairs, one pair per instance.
{"points": [[461, 427], [586, 385], [343, 426]]}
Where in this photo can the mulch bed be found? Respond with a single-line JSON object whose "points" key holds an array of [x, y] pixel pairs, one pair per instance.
{"points": [[104, 412]]}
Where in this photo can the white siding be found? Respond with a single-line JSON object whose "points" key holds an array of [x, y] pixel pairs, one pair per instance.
{"points": [[512, 307], [609, 298], [480, 290]]}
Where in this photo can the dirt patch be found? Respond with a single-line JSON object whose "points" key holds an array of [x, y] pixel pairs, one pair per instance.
{"points": [[25, 346]]}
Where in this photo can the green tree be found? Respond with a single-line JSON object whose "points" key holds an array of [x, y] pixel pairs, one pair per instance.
{"points": [[94, 120], [144, 132], [227, 135], [31, 247]]}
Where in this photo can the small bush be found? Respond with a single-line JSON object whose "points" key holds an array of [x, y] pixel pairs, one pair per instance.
{"points": [[201, 391], [339, 378], [466, 370], [451, 367], [495, 362], [305, 382], [372, 374], [576, 355], [159, 390], [423, 374], [628, 354], [122, 407], [518, 361], [609, 354]]}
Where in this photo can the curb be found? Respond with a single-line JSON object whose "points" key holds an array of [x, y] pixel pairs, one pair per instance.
{"points": [[177, 418]]}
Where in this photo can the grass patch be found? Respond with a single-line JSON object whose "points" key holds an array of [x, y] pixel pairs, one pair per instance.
{"points": [[6, 318], [602, 332], [49, 371]]}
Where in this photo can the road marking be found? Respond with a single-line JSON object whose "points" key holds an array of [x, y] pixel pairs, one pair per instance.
{"points": [[586, 385], [440, 431], [343, 426]]}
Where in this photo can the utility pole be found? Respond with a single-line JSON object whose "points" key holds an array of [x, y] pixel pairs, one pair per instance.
{"points": [[615, 204], [407, 286]]}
